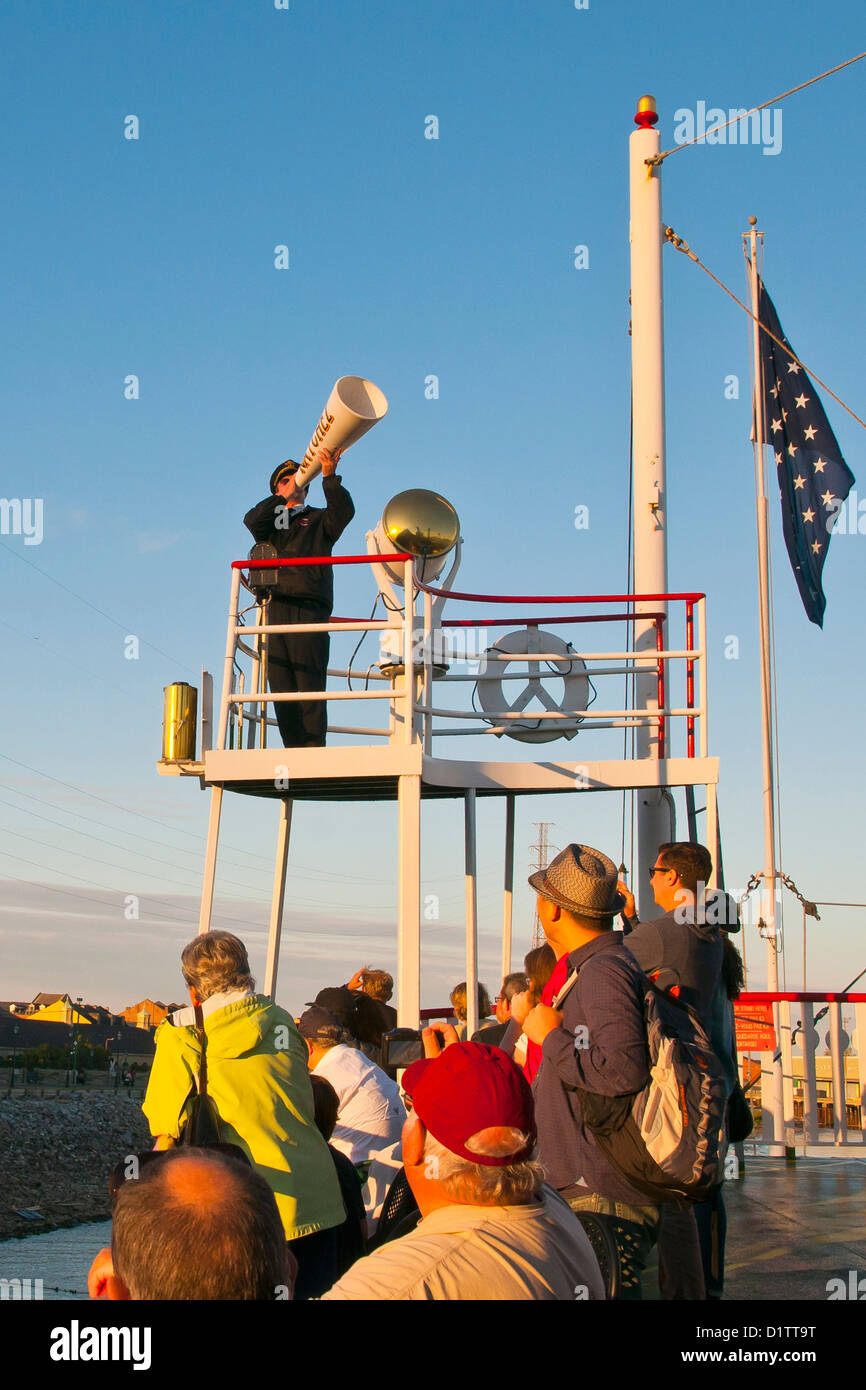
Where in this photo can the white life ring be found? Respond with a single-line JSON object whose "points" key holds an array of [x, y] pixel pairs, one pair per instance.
{"points": [[566, 665]]}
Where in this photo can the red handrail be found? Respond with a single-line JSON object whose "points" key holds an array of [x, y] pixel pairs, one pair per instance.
{"points": [[552, 618], [560, 598], [762, 997], [690, 680], [318, 560], [660, 686]]}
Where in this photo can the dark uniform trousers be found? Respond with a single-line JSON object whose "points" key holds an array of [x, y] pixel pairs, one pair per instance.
{"points": [[296, 662]]}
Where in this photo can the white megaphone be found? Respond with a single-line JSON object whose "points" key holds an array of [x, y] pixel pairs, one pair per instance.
{"points": [[354, 407]]}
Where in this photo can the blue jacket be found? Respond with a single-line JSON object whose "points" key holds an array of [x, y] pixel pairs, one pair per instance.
{"points": [[601, 1046]]}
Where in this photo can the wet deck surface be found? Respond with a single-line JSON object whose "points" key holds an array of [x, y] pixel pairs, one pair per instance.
{"points": [[791, 1228], [794, 1226]]}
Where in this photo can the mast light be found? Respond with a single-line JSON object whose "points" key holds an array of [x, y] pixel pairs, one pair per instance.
{"points": [[647, 116]]}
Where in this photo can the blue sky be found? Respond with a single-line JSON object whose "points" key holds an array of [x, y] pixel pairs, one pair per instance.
{"points": [[408, 257]]}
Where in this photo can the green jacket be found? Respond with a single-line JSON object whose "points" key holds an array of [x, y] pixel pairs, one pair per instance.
{"points": [[258, 1078]]}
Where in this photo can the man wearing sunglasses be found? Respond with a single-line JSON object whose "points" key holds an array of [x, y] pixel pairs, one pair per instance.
{"points": [[303, 593], [686, 944]]}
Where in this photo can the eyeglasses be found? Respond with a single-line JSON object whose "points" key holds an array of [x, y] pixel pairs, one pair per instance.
{"points": [[658, 869]]}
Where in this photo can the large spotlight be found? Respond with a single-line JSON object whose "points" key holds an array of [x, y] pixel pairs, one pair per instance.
{"points": [[421, 523]]}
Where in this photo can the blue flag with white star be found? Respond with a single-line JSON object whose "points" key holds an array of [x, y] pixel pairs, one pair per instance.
{"points": [[814, 479]]}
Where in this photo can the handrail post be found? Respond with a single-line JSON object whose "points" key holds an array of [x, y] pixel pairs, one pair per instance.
{"points": [[810, 1080], [860, 1027], [228, 665], [840, 1117], [428, 673], [661, 747], [702, 674], [787, 1077], [690, 678], [408, 654]]}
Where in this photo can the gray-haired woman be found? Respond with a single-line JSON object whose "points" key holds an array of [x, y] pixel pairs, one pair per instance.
{"points": [[258, 1080]]}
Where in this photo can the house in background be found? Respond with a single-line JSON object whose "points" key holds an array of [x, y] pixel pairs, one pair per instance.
{"points": [[57, 1008], [148, 1013]]}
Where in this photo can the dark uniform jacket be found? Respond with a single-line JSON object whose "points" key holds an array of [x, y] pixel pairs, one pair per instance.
{"points": [[310, 531]]}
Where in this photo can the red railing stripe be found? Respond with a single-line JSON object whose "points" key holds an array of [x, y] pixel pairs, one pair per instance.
{"points": [[318, 560], [552, 618], [760, 997], [560, 598]]}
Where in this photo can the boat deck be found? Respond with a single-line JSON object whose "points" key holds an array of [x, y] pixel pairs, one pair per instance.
{"points": [[792, 1226]]}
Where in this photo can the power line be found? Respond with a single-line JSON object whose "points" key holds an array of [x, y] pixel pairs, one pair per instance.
{"points": [[107, 863], [83, 898], [657, 159], [124, 627], [314, 874]]}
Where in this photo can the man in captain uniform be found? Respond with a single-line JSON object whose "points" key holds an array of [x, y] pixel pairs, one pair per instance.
{"points": [[303, 593]]}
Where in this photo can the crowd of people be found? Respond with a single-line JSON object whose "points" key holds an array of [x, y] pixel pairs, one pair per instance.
{"points": [[288, 1163]]}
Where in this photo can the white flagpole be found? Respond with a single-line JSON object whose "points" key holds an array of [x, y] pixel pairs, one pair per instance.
{"points": [[768, 892]]}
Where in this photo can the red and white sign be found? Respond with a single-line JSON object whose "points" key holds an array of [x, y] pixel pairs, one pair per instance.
{"points": [[755, 1030]]}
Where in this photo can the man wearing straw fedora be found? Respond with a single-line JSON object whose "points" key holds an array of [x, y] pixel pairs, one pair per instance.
{"points": [[594, 1037], [303, 594]]}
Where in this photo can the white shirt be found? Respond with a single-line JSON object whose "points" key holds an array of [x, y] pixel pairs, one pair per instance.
{"points": [[371, 1113]]}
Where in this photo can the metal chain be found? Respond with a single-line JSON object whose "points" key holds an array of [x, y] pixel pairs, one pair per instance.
{"points": [[809, 908]]}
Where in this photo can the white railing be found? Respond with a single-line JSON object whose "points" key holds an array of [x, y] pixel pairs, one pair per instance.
{"points": [[418, 704], [824, 1096]]}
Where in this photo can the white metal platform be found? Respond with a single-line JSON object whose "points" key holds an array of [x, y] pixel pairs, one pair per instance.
{"points": [[371, 774]]}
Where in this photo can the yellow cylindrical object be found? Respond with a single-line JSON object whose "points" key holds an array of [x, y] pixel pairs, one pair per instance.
{"points": [[179, 722]]}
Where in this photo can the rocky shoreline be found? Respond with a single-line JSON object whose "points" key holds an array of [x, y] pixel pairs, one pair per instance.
{"points": [[56, 1155]]}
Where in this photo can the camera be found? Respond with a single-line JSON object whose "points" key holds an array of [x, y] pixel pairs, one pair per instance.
{"points": [[401, 1047]]}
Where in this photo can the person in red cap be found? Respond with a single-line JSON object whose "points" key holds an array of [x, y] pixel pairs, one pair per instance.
{"points": [[490, 1228]]}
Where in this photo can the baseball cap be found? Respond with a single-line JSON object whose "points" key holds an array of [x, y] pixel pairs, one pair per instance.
{"points": [[284, 470], [320, 1025], [467, 1088]]}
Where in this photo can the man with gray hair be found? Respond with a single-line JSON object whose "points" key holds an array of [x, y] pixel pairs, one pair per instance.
{"points": [[489, 1227], [258, 1082]]}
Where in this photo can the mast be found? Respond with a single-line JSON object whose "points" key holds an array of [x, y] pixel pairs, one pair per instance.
{"points": [[655, 808], [768, 889]]}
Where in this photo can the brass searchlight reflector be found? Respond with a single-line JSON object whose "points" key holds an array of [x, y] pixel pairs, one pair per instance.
{"points": [[421, 523]]}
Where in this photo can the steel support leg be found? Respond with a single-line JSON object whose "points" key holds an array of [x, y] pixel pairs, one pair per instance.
{"points": [[508, 885], [279, 895], [470, 832], [213, 831], [409, 904]]}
